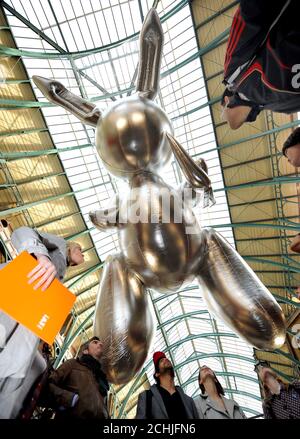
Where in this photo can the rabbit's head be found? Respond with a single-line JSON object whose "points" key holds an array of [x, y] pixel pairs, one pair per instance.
{"points": [[130, 135]]}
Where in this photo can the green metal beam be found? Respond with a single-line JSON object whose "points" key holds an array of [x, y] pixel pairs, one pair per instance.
{"points": [[34, 203], [24, 131], [78, 235], [14, 81], [269, 182], [55, 220], [214, 43], [246, 139], [276, 264], [238, 392], [194, 110], [85, 274], [53, 198], [249, 162], [289, 356], [85, 290], [256, 225], [32, 27], [181, 317], [41, 178], [287, 199], [6, 104], [95, 84], [198, 336], [258, 135], [70, 340], [79, 54], [18, 155], [227, 374], [217, 14]]}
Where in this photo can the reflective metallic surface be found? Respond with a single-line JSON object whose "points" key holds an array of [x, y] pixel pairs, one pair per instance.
{"points": [[161, 242], [56, 92], [156, 244], [122, 321], [130, 137], [235, 294], [196, 175], [151, 43]]}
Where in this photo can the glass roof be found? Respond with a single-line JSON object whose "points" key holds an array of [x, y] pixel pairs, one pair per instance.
{"points": [[104, 75]]}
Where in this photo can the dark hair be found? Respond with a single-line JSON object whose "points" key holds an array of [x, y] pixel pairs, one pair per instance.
{"points": [[262, 363], [292, 140], [85, 345], [227, 93], [219, 387]]}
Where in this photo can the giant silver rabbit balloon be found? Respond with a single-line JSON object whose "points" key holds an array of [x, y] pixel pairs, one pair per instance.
{"points": [[134, 139]]}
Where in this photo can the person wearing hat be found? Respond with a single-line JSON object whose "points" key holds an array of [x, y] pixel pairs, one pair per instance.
{"points": [[280, 400], [164, 400], [53, 255], [79, 386], [211, 403], [261, 67]]}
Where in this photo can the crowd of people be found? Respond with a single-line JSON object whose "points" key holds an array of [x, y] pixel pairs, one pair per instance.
{"points": [[78, 388]]}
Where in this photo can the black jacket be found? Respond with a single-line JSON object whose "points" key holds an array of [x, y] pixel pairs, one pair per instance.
{"points": [[263, 47]]}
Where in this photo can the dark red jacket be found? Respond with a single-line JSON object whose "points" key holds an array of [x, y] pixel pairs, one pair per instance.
{"points": [[263, 47]]}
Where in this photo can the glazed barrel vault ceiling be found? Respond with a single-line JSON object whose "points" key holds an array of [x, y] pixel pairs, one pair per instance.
{"points": [[50, 175]]}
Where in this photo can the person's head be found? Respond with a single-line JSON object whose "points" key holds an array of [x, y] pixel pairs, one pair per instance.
{"points": [[264, 372], [237, 111], [93, 347], [74, 253], [291, 148], [162, 366], [205, 374]]}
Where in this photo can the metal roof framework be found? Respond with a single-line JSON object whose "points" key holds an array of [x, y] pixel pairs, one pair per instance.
{"points": [[51, 176]]}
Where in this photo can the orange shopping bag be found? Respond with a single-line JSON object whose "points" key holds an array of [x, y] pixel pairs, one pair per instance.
{"points": [[43, 312]]}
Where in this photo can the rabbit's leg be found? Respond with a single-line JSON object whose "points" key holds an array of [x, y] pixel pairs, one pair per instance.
{"points": [[55, 92], [123, 320], [235, 294]]}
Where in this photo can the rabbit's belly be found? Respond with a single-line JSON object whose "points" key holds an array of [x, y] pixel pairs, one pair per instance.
{"points": [[163, 255]]}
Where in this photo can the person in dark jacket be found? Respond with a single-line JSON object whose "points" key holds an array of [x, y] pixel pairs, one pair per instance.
{"points": [[164, 400], [281, 401], [261, 69], [79, 386]]}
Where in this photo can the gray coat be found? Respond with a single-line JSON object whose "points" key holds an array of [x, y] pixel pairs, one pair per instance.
{"points": [[158, 408], [20, 361], [25, 238], [207, 409]]}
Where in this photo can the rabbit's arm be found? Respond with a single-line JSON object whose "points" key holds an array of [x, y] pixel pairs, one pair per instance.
{"points": [[195, 173]]}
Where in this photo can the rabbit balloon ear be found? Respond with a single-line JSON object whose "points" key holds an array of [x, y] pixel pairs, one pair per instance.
{"points": [[55, 92], [151, 43]]}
